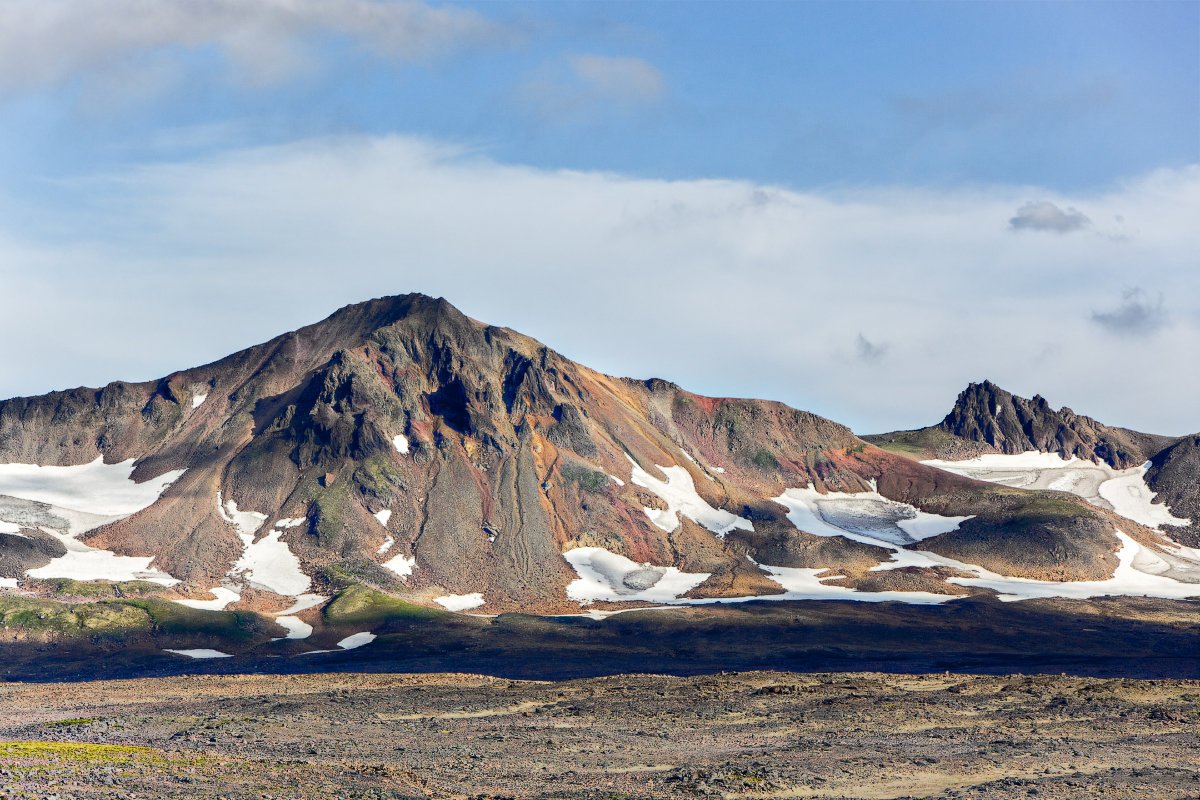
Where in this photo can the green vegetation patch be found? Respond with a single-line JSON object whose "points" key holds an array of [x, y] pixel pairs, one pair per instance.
{"points": [[923, 442], [379, 475], [176, 619], [65, 587], [765, 459], [589, 480], [86, 619], [360, 604], [66, 723], [70, 751]]}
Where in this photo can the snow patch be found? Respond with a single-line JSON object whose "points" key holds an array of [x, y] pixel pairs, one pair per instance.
{"points": [[200, 652], [383, 516], [303, 603], [8, 583], [247, 522], [296, 628], [83, 563], [866, 517], [460, 602], [198, 399], [400, 442], [224, 597], [679, 493], [719, 470], [1127, 580], [1123, 491], [106, 490], [291, 522], [604, 575], [12, 529], [387, 545], [401, 565], [807, 584], [268, 563], [356, 640], [617, 480]]}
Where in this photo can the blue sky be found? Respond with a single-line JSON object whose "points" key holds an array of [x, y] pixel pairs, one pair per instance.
{"points": [[799, 200]]}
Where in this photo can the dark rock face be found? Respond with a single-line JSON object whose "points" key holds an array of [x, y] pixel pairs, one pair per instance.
{"points": [[19, 553], [1175, 475], [986, 413]]}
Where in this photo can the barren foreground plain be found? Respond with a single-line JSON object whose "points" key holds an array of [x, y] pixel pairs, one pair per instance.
{"points": [[753, 734], [568, 708]]}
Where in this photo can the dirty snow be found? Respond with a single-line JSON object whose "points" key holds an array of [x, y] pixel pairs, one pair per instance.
{"points": [[357, 640], [1141, 571], [460, 602], [303, 603], [679, 493], [198, 399], [1128, 580], [806, 584], [604, 575], [296, 628], [400, 442], [719, 470], [1123, 491], [200, 652], [401, 565], [105, 490], [866, 517], [224, 597], [383, 516]]}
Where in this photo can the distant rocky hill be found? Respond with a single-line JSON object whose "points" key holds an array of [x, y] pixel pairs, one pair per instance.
{"points": [[988, 419], [403, 448]]}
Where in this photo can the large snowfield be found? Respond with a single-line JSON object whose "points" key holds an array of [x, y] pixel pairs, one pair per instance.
{"points": [[84, 496]]}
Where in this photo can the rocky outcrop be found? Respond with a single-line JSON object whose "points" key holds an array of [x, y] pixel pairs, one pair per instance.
{"points": [[987, 414]]}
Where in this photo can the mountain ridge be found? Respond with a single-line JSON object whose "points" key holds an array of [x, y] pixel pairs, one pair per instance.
{"points": [[400, 445]]}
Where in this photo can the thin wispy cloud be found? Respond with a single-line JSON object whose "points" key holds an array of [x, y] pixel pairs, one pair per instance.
{"points": [[625, 78], [1045, 216], [264, 42], [577, 88], [869, 351], [1138, 314]]}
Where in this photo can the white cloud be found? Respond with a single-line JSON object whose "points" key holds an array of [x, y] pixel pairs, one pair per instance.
{"points": [[728, 287], [43, 42]]}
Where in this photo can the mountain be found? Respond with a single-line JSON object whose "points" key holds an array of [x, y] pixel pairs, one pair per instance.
{"points": [[399, 455], [988, 419]]}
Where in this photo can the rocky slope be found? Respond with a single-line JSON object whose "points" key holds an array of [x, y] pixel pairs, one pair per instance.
{"points": [[401, 445]]}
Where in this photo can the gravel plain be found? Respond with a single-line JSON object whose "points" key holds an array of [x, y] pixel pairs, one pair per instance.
{"points": [[732, 735]]}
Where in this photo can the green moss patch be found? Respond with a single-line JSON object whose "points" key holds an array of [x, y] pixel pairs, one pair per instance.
{"points": [[589, 480], [360, 604]]}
